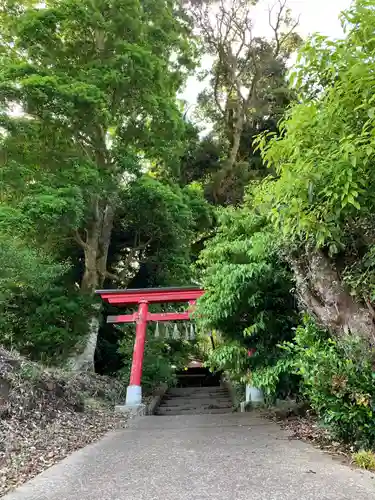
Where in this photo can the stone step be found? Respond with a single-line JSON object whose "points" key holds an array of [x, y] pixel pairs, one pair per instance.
{"points": [[169, 397], [193, 411], [178, 390], [199, 388], [188, 405], [196, 394], [195, 401]]}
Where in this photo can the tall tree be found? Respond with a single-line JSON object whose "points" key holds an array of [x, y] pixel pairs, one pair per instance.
{"points": [[321, 197], [247, 296], [247, 68], [96, 82]]}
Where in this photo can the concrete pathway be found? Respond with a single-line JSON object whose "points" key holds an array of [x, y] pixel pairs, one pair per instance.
{"points": [[197, 457]]}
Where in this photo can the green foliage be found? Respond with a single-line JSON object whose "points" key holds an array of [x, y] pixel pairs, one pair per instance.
{"points": [[336, 377], [41, 314], [247, 288], [324, 156], [54, 323], [201, 158], [364, 459], [276, 380], [98, 92], [24, 269], [163, 221], [230, 357], [247, 295]]}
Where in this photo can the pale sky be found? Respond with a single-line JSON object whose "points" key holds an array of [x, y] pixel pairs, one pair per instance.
{"points": [[315, 16]]}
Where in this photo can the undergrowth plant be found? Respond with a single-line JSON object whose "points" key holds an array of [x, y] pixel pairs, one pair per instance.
{"points": [[364, 459], [336, 377]]}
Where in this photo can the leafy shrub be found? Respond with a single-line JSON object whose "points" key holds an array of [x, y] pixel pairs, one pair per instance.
{"points": [[230, 357], [45, 326], [336, 377], [24, 269], [42, 314], [278, 380], [324, 176]]}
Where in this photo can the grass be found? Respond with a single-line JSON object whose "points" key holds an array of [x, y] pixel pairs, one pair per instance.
{"points": [[365, 459]]}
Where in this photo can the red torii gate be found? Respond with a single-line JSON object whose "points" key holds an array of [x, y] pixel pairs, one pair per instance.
{"points": [[144, 297]]}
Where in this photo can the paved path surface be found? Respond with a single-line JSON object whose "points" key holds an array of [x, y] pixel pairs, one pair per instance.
{"points": [[197, 457]]}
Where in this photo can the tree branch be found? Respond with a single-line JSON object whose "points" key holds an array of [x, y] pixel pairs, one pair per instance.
{"points": [[216, 94], [121, 276], [372, 313], [112, 276], [286, 36], [282, 4], [78, 238], [276, 28]]}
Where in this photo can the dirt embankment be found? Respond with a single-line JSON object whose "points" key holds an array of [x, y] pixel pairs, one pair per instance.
{"points": [[46, 414]]}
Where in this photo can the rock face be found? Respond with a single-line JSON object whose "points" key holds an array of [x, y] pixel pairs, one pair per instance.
{"points": [[47, 413]]}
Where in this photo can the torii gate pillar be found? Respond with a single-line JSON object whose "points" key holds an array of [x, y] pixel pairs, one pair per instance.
{"points": [[144, 297], [134, 390]]}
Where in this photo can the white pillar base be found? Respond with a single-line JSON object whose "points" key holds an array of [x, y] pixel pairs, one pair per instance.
{"points": [[133, 395], [254, 395]]}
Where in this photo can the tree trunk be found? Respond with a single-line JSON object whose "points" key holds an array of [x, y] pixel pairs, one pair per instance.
{"points": [[325, 296], [85, 360], [237, 133], [95, 247]]}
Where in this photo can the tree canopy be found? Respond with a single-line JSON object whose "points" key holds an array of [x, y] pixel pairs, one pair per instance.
{"points": [[96, 85]]}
